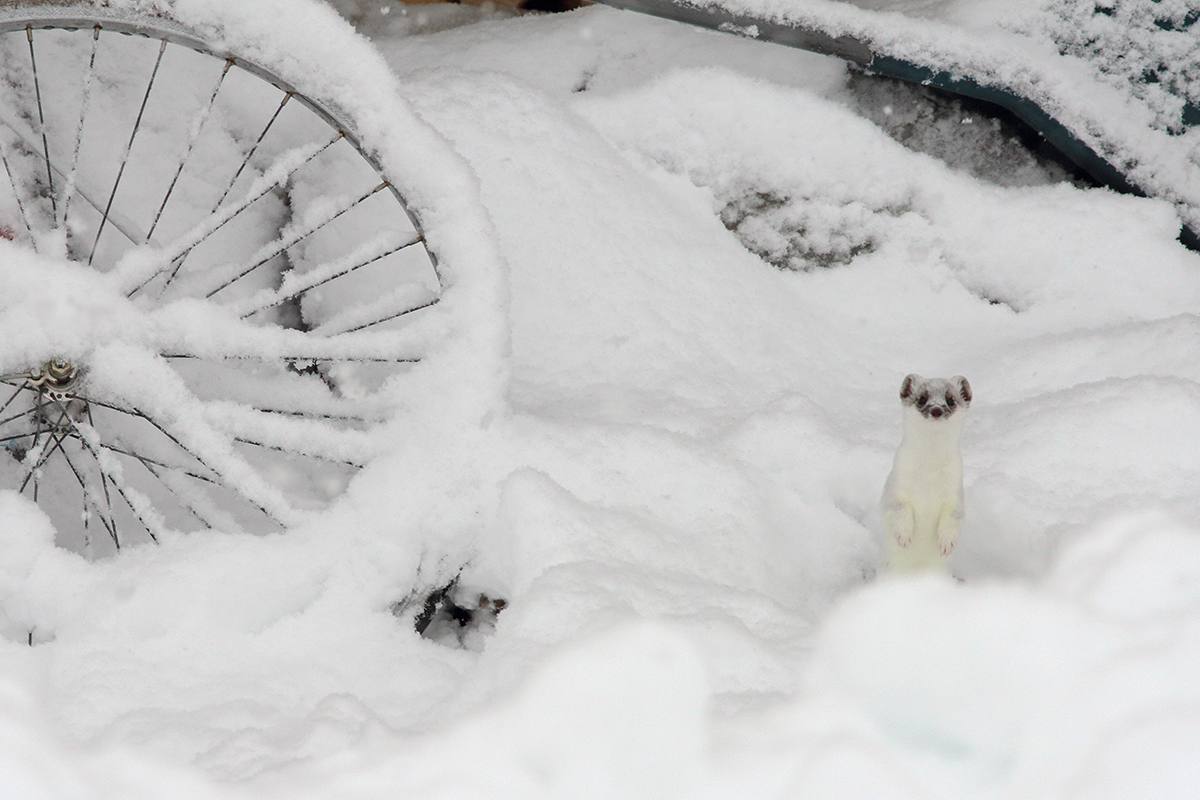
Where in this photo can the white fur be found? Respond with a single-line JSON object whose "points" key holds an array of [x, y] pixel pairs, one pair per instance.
{"points": [[922, 504]]}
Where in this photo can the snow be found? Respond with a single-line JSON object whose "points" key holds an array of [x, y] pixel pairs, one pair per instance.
{"points": [[1105, 71], [660, 412]]}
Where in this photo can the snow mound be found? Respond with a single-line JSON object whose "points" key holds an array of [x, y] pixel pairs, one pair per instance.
{"points": [[1031, 691]]}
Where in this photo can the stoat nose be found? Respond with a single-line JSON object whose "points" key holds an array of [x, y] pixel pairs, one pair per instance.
{"points": [[935, 412]]}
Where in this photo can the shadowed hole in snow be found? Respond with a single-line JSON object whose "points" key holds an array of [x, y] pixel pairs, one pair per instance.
{"points": [[453, 615], [976, 137]]}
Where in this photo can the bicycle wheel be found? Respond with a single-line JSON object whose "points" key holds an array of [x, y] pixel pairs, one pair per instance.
{"points": [[208, 281]]}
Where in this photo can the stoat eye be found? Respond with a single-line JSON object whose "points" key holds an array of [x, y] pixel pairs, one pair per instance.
{"points": [[949, 401], [922, 400]]}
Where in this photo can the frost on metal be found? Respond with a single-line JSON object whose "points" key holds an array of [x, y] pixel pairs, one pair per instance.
{"points": [[1148, 47]]}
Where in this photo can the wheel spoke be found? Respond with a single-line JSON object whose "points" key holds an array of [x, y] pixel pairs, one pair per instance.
{"points": [[284, 167], [137, 124], [41, 459], [354, 322], [295, 285], [117, 484], [12, 179], [117, 220], [103, 481], [290, 239], [136, 414], [284, 412], [26, 413], [15, 436], [297, 452], [37, 92], [150, 466], [253, 149], [191, 507], [12, 397], [84, 102], [38, 417], [193, 137], [300, 358], [160, 464], [108, 524], [220, 478], [32, 471]]}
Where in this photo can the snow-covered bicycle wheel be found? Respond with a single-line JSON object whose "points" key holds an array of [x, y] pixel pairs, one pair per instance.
{"points": [[208, 278]]}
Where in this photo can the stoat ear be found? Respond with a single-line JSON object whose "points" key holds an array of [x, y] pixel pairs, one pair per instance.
{"points": [[964, 388], [909, 386]]}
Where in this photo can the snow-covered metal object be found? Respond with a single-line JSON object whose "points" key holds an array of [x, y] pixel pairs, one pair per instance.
{"points": [[1113, 85], [210, 265]]}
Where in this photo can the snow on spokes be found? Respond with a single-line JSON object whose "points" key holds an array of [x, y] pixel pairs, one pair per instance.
{"points": [[206, 189]]}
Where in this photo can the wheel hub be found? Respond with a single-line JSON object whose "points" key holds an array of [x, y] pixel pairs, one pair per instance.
{"points": [[61, 409], [56, 377]]}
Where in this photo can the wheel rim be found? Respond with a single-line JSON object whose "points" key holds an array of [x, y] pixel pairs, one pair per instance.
{"points": [[262, 269]]}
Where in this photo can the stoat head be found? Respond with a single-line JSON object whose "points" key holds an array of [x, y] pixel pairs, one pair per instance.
{"points": [[936, 399]]}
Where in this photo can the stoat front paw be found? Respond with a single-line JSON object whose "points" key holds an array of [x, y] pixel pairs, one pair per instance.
{"points": [[946, 545], [898, 520]]}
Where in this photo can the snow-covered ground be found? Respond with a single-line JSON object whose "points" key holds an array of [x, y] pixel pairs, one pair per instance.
{"points": [[718, 271]]}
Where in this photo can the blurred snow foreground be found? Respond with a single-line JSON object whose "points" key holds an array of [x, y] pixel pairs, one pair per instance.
{"points": [[664, 452]]}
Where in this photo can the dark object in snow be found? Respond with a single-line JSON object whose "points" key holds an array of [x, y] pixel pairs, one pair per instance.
{"points": [[452, 614], [551, 6]]}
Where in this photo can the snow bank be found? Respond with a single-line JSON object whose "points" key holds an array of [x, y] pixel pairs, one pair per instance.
{"points": [[1035, 692], [1078, 687]]}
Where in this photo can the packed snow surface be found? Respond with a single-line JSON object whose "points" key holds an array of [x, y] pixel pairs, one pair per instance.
{"points": [[659, 431]]}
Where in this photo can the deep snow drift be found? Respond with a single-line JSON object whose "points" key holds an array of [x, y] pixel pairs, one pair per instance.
{"points": [[674, 488]]}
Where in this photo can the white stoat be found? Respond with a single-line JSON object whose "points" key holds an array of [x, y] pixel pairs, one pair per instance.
{"points": [[922, 504]]}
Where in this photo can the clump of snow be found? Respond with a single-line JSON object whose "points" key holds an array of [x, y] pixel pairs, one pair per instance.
{"points": [[83, 310]]}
